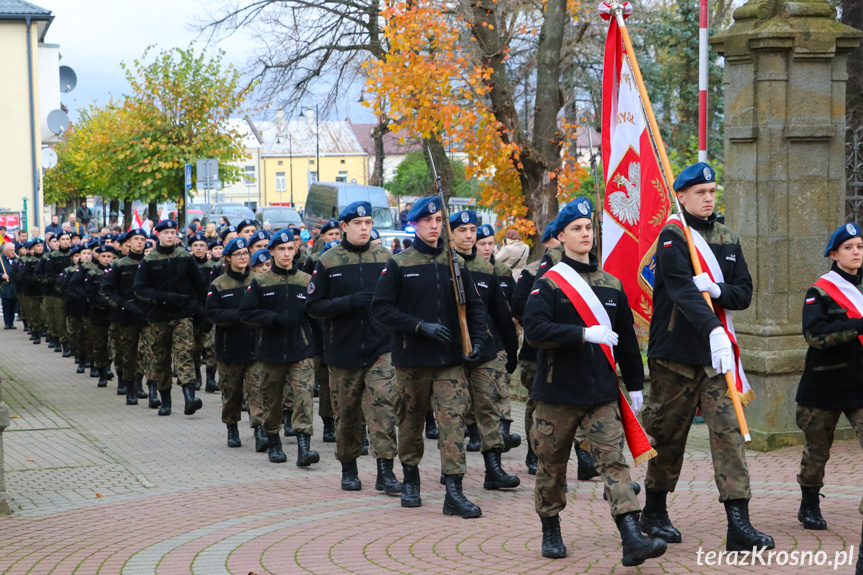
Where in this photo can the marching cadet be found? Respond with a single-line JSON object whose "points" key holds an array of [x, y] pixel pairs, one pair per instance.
{"points": [[77, 293], [227, 234], [172, 286], [832, 381], [275, 302], [482, 377], [47, 271], [376, 238], [247, 228], [575, 316], [259, 241], [414, 297], [262, 261], [202, 325], [31, 290], [74, 326], [100, 308], [362, 376], [235, 341], [127, 316], [688, 354]]}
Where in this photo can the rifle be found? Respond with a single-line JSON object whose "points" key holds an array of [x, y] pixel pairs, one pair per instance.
{"points": [[452, 260]]}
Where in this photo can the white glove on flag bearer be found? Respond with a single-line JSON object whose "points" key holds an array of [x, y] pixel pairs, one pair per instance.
{"points": [[601, 335], [721, 355], [636, 400], [704, 283]]}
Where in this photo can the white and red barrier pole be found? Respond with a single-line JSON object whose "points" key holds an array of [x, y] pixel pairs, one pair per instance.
{"points": [[702, 81]]}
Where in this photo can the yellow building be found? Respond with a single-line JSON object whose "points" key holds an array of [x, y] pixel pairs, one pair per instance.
{"points": [[290, 153]]}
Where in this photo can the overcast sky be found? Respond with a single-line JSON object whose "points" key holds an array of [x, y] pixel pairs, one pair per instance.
{"points": [[96, 35]]}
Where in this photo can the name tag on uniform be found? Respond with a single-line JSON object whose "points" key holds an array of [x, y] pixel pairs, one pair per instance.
{"points": [[227, 295], [482, 285], [301, 296], [610, 303], [731, 257], [411, 275], [265, 294], [336, 275]]}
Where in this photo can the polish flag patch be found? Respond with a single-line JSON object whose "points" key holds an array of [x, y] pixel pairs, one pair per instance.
{"points": [[209, 293], [315, 272], [810, 300], [534, 291], [384, 271], [666, 244], [543, 264]]}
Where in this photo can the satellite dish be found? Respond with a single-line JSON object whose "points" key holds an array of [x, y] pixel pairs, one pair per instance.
{"points": [[49, 158], [68, 79], [58, 122]]}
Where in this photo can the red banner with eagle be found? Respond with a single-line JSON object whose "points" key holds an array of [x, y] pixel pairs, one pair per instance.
{"points": [[636, 203]]}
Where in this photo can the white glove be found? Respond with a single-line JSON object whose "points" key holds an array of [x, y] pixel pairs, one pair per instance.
{"points": [[704, 283], [636, 400], [720, 351], [601, 335]]}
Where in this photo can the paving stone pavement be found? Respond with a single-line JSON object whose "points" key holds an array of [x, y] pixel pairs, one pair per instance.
{"points": [[100, 487]]}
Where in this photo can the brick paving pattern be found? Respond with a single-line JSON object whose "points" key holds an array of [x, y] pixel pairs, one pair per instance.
{"points": [[100, 487]]}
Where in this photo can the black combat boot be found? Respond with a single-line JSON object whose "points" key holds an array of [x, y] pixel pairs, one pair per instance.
{"points": [[411, 486], [530, 460], [329, 430], [234, 436], [139, 387], [472, 433], [80, 368], [102, 374], [495, 476], [33, 335], [386, 480], [365, 450], [552, 542], [50, 341], [77, 357], [274, 449], [36, 339], [305, 455], [165, 408], [198, 381], [67, 349], [586, 465], [108, 373], [119, 372], [636, 545], [510, 440], [154, 399], [94, 371], [131, 396], [287, 415], [122, 386], [455, 503], [193, 403], [88, 364], [211, 385], [261, 441], [432, 431], [58, 347], [654, 517], [741, 535], [350, 476], [810, 509]]}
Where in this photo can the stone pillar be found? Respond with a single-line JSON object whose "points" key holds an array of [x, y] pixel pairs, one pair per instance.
{"points": [[4, 423], [784, 182]]}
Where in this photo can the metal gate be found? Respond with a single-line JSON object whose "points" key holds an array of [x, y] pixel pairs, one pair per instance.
{"points": [[854, 175]]}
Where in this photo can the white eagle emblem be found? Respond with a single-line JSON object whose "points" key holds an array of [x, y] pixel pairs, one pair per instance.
{"points": [[465, 217], [432, 207], [361, 211], [626, 206], [284, 237], [850, 229]]}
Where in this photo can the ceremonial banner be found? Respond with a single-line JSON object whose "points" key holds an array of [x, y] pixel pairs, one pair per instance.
{"points": [[636, 203]]}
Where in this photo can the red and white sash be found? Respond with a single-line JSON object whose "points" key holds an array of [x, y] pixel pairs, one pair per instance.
{"points": [[710, 265], [843, 293], [592, 312]]}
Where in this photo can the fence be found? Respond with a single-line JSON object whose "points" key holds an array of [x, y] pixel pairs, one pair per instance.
{"points": [[854, 175]]}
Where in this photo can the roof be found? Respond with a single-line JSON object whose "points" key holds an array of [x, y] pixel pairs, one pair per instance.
{"points": [[392, 141], [297, 138], [248, 132], [21, 10]]}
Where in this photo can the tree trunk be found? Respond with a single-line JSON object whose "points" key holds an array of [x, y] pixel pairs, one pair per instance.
{"points": [[377, 177], [852, 15], [127, 214], [441, 163]]}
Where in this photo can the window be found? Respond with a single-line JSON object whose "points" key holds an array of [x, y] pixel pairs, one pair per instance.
{"points": [[343, 176], [311, 161], [313, 177], [280, 181], [249, 175], [343, 161], [280, 162]]}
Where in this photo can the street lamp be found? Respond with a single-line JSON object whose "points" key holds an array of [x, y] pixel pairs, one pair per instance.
{"points": [[317, 139]]}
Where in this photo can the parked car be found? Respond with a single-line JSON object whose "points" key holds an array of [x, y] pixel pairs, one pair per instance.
{"points": [[278, 216], [234, 213]]}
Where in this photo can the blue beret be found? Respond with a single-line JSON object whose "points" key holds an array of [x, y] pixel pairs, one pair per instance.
{"points": [[245, 224], [166, 225], [843, 233], [577, 208], [74, 233], [61, 234], [260, 257], [136, 232], [329, 245], [225, 231], [699, 173], [261, 235], [462, 218], [149, 244], [198, 237], [376, 235], [34, 242], [282, 236], [106, 248], [330, 225], [75, 249], [546, 233], [153, 237], [355, 210], [120, 238], [484, 231], [424, 207], [234, 245]]}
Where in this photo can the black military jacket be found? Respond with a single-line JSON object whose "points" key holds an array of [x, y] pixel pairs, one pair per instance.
{"points": [[235, 341], [524, 286], [570, 370], [682, 321], [351, 336], [76, 288], [165, 272], [30, 286], [100, 306], [118, 286], [73, 304], [49, 269], [272, 297], [504, 275], [833, 374], [416, 286]]}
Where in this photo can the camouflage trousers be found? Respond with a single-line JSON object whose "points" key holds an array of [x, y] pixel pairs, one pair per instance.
{"points": [[33, 307], [445, 389], [252, 393], [98, 339], [370, 390], [172, 339], [202, 336], [146, 364], [485, 401], [86, 335], [232, 377], [210, 349], [676, 389], [554, 428], [502, 389], [75, 329], [328, 397], [274, 378], [819, 426], [55, 316], [528, 372], [126, 342], [112, 343]]}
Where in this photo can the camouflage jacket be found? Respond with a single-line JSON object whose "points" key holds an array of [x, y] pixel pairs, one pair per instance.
{"points": [[235, 341], [171, 285], [351, 336], [833, 374], [552, 324], [118, 286], [682, 321], [416, 286], [275, 303]]}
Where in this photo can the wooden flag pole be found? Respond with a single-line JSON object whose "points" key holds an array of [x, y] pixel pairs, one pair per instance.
{"points": [[656, 137]]}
